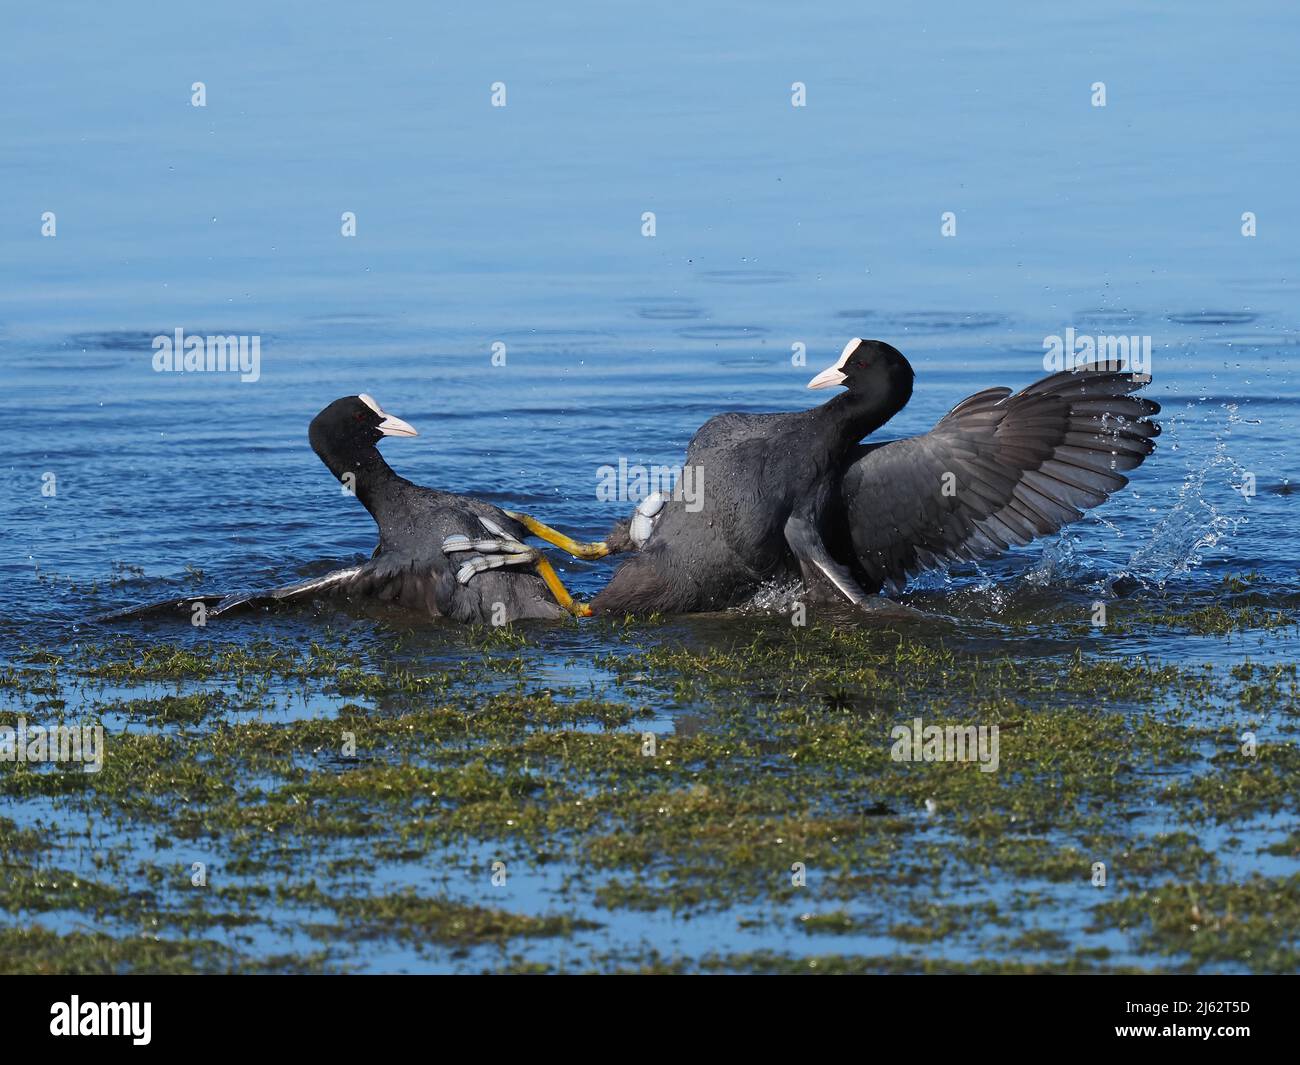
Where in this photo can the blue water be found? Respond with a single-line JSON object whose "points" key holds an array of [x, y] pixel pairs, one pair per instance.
{"points": [[775, 226]]}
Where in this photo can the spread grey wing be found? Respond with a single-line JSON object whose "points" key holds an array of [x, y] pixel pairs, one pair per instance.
{"points": [[378, 578], [998, 469], [339, 580], [415, 583]]}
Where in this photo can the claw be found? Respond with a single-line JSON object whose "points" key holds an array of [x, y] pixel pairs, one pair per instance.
{"points": [[501, 542], [455, 544], [481, 563]]}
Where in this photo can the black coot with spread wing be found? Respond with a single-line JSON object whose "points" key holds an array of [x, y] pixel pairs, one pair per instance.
{"points": [[796, 494]]}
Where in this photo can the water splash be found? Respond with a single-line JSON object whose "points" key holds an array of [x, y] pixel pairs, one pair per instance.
{"points": [[1196, 524], [775, 597], [1087, 557], [1064, 561]]}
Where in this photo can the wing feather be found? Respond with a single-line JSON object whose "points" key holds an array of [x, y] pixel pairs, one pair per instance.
{"points": [[997, 470]]}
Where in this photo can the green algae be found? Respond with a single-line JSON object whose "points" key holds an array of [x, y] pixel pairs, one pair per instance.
{"points": [[428, 921], [1257, 919], [39, 951], [775, 799]]}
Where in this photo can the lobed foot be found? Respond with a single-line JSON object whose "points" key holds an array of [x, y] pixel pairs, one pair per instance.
{"points": [[493, 552], [644, 518], [502, 549]]}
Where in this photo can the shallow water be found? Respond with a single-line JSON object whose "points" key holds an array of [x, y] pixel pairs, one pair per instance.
{"points": [[776, 226]]}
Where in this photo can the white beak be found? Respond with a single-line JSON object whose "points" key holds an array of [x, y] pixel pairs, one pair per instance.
{"points": [[833, 375], [391, 426], [829, 377]]}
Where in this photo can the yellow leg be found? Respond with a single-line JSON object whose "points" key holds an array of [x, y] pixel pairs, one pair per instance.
{"points": [[577, 548], [547, 572]]}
